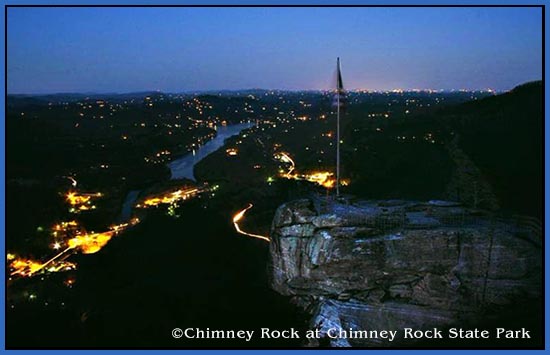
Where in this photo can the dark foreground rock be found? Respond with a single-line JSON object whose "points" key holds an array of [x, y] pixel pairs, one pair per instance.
{"points": [[390, 265]]}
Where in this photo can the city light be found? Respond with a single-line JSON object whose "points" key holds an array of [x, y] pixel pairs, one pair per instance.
{"points": [[86, 243], [232, 151], [322, 178], [171, 197], [28, 267], [81, 201], [90, 243]]}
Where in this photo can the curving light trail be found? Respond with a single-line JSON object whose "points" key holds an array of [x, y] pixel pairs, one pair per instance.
{"points": [[323, 178], [73, 181], [238, 216], [287, 159]]}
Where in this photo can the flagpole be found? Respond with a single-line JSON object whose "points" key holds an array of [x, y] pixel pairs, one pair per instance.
{"points": [[338, 128]]}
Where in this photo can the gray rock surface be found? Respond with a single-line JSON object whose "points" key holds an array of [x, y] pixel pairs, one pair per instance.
{"points": [[395, 264]]}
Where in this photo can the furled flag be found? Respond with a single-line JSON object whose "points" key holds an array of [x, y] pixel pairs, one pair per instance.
{"points": [[340, 97]]}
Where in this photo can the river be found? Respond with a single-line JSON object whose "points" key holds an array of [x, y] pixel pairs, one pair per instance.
{"points": [[184, 167]]}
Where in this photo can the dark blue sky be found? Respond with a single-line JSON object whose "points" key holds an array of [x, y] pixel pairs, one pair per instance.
{"points": [[179, 49]]}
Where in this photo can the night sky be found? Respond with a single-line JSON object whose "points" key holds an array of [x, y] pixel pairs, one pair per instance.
{"points": [[181, 49]]}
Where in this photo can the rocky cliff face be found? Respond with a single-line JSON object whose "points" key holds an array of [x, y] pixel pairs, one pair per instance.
{"points": [[382, 265]]}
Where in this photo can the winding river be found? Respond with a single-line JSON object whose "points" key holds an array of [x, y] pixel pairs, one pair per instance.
{"points": [[183, 167]]}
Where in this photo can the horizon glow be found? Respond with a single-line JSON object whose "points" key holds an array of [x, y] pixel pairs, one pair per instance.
{"points": [[119, 50]]}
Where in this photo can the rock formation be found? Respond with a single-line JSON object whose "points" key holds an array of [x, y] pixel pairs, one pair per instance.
{"points": [[386, 265]]}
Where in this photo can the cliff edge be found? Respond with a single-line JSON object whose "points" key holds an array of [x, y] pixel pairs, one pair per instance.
{"points": [[383, 265]]}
